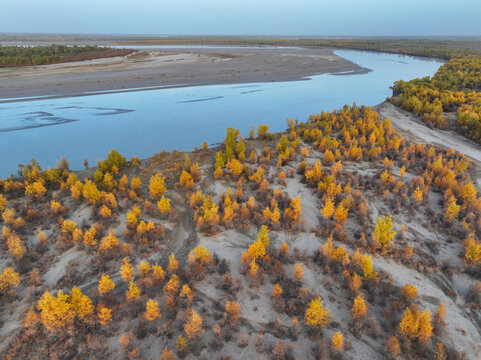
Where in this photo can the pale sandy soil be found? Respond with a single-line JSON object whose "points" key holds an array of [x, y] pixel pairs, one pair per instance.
{"points": [[414, 129], [175, 67], [462, 331]]}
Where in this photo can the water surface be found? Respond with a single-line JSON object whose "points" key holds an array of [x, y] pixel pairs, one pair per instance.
{"points": [[141, 123]]}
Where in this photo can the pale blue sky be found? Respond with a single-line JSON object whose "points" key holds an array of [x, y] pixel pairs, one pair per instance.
{"points": [[243, 17]]}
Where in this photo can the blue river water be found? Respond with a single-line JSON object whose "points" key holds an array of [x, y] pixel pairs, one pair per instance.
{"points": [[142, 123]]}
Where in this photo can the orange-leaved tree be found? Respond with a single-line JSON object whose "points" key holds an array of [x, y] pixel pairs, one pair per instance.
{"points": [[9, 279], [359, 308], [193, 326]]}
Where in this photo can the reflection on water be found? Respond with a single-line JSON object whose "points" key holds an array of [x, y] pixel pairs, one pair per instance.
{"points": [[142, 123]]}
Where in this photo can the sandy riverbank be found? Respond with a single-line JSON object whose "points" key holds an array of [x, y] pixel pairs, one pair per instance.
{"points": [[170, 68], [413, 129]]}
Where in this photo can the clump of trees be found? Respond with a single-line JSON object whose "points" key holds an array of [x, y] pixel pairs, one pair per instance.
{"points": [[416, 324], [59, 312], [42, 55], [9, 280], [454, 88]]}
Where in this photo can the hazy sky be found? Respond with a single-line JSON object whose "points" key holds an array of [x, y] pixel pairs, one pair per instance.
{"points": [[243, 17]]}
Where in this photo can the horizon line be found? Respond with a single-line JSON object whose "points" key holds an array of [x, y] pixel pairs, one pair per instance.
{"points": [[238, 35]]}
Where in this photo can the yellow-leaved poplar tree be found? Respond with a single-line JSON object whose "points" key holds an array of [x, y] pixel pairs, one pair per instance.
{"points": [[80, 303], [127, 270], [472, 250], [152, 311], [91, 193], [105, 285], [337, 341], [359, 308], [416, 324], [104, 314], [451, 211], [9, 279], [418, 195], [328, 209], [340, 215], [133, 293], [55, 312], [384, 233], [367, 267], [316, 316], [294, 211], [158, 273], [193, 327], [173, 264], [157, 187], [58, 313], [163, 205], [298, 273]]}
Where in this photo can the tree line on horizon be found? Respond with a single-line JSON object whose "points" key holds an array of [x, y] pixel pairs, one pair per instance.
{"points": [[42, 55]]}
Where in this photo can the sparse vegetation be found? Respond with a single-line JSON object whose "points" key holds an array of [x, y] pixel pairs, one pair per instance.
{"points": [[337, 232]]}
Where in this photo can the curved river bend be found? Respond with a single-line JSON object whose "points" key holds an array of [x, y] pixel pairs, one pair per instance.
{"points": [[141, 123]]}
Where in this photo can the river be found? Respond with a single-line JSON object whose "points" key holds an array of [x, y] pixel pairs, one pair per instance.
{"points": [[141, 123]]}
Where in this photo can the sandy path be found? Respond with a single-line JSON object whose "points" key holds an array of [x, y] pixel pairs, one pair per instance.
{"points": [[172, 67], [184, 237]]}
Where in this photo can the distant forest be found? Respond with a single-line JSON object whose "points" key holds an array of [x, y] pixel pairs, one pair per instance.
{"points": [[427, 47], [42, 55]]}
